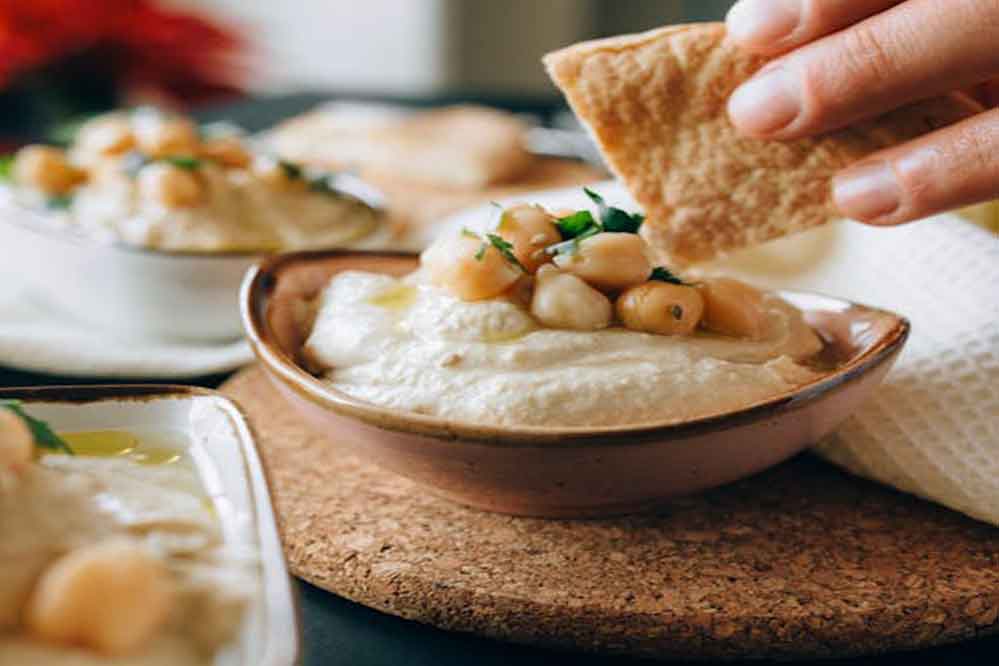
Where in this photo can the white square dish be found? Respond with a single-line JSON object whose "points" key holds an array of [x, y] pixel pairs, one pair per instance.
{"points": [[214, 433]]}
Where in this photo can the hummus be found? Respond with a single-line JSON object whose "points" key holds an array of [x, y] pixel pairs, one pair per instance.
{"points": [[409, 345], [157, 181], [151, 496], [237, 212]]}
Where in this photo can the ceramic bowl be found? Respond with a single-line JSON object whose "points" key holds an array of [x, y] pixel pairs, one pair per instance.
{"points": [[129, 290], [222, 447], [563, 472]]}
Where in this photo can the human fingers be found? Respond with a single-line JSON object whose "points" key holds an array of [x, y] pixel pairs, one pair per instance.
{"points": [[770, 27], [949, 168], [909, 52]]}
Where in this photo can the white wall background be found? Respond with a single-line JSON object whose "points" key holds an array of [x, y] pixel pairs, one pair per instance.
{"points": [[426, 46]]}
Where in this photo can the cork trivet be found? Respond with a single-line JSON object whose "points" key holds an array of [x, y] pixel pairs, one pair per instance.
{"points": [[802, 560]]}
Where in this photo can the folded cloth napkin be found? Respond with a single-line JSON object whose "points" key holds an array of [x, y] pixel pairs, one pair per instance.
{"points": [[933, 427]]}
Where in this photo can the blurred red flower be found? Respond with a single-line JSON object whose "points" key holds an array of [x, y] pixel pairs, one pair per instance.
{"points": [[138, 44]]}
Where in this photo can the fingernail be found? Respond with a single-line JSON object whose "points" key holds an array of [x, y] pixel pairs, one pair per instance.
{"points": [[762, 22], [766, 103], [867, 192]]}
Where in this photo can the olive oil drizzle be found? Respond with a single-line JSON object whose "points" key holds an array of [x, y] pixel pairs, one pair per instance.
{"points": [[120, 444]]}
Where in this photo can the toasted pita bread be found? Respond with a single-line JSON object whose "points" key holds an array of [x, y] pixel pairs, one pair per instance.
{"points": [[468, 147], [656, 104]]}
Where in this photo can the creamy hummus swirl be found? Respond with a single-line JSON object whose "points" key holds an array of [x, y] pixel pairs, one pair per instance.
{"points": [[408, 345]]}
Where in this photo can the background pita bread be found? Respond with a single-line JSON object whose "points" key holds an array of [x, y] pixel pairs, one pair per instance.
{"points": [[656, 104], [469, 147]]}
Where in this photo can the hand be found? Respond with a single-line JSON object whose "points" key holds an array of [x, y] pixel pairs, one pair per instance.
{"points": [[844, 60]]}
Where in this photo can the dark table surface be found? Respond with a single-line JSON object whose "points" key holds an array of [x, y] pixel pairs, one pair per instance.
{"points": [[338, 632]]}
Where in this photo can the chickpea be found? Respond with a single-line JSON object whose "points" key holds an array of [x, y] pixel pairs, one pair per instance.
{"points": [[451, 263], [661, 308], [105, 136], [46, 168], [17, 444], [530, 229], [609, 261], [163, 136], [562, 300], [733, 308], [111, 597], [228, 151], [170, 185]]}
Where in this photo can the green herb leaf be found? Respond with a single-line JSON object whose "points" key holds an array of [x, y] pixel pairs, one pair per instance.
{"points": [[614, 219], [324, 184], [59, 201], [663, 274], [44, 436], [505, 248], [468, 233], [6, 167], [185, 162], [571, 246], [481, 252], [617, 220], [597, 199], [576, 224], [291, 170]]}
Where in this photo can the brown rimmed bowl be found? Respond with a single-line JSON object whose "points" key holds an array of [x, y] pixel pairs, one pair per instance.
{"points": [[562, 471]]}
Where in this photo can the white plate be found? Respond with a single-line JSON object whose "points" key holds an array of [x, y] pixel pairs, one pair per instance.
{"points": [[134, 291], [220, 444], [38, 337]]}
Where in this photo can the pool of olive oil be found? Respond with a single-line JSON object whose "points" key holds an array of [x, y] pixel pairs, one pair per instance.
{"points": [[144, 449]]}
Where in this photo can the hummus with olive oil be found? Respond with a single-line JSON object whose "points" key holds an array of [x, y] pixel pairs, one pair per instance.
{"points": [[405, 344], [134, 490], [236, 213]]}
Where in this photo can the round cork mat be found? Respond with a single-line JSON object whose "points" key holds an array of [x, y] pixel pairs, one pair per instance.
{"points": [[802, 560]]}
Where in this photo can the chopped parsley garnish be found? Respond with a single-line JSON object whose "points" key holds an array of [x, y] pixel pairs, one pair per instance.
{"points": [[677, 312], [324, 183], [291, 170], [504, 247], [576, 224], [59, 201], [186, 162], [581, 224], [133, 161], [44, 436], [663, 274], [614, 219], [6, 167], [571, 246]]}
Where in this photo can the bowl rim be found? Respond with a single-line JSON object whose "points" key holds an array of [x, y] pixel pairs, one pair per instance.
{"points": [[261, 278], [290, 651]]}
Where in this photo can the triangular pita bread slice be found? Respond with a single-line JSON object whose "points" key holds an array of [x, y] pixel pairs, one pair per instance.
{"points": [[656, 104]]}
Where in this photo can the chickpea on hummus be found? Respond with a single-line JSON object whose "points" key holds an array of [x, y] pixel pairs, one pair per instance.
{"points": [[556, 320], [159, 181], [111, 552]]}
